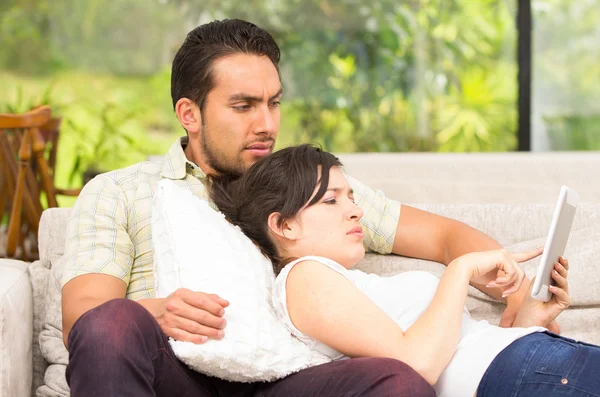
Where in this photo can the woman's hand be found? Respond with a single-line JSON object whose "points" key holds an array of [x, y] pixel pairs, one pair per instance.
{"points": [[481, 263], [537, 313]]}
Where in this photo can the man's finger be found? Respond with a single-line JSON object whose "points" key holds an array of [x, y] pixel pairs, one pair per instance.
{"points": [[526, 256], [220, 301], [205, 302], [201, 317], [184, 336], [192, 327]]}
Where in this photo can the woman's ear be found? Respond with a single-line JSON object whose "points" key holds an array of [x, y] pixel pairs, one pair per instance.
{"points": [[286, 230], [189, 115]]}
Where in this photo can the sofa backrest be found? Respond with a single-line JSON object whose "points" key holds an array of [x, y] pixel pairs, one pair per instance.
{"points": [[477, 178], [51, 236]]}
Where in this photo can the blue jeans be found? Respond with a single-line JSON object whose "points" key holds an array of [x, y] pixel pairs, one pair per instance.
{"points": [[543, 365]]}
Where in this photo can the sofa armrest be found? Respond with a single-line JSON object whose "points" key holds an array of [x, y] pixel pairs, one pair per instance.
{"points": [[16, 329]]}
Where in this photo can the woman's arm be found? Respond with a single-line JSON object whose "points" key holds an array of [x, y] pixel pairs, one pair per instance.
{"points": [[327, 307]]}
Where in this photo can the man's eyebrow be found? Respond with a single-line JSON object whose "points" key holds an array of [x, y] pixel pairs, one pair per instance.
{"points": [[279, 93], [250, 98]]}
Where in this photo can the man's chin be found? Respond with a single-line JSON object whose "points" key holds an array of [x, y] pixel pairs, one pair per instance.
{"points": [[250, 158]]}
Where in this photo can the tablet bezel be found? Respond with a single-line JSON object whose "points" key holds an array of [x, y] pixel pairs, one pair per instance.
{"points": [[556, 242]]}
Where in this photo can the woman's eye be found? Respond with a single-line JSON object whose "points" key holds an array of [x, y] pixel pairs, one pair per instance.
{"points": [[330, 201], [352, 199]]}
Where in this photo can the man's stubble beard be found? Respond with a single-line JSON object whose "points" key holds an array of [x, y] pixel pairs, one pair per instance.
{"points": [[216, 162]]}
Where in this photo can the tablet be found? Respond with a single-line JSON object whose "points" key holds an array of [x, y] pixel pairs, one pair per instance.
{"points": [[556, 242]]}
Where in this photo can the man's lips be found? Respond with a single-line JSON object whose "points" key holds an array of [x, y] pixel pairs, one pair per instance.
{"points": [[260, 148], [357, 231]]}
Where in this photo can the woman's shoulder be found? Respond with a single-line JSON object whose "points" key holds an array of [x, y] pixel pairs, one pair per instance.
{"points": [[307, 269], [314, 262]]}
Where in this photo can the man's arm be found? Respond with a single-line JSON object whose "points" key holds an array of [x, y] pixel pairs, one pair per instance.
{"points": [[86, 292], [99, 259], [424, 235], [99, 253]]}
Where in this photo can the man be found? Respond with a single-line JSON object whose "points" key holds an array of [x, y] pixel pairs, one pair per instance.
{"points": [[226, 89]]}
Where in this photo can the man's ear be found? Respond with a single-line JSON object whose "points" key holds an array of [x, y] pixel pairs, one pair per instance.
{"points": [[286, 231], [189, 115]]}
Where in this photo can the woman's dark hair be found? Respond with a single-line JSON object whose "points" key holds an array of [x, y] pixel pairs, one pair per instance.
{"points": [[282, 182], [192, 71]]}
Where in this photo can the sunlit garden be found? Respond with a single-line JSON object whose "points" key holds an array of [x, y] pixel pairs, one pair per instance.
{"points": [[359, 76]]}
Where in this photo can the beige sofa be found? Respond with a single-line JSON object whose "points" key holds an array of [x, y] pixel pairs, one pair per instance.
{"points": [[509, 196]]}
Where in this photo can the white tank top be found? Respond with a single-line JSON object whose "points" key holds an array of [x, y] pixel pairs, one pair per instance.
{"points": [[404, 297]]}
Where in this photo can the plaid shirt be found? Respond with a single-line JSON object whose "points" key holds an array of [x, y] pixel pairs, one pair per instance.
{"points": [[109, 229]]}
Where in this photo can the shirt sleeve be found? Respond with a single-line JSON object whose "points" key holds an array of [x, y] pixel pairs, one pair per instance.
{"points": [[97, 239], [380, 219]]}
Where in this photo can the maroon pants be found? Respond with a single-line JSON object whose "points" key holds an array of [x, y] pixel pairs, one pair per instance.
{"points": [[118, 349]]}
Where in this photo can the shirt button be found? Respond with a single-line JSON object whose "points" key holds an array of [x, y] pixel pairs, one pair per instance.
{"points": [[564, 381]]}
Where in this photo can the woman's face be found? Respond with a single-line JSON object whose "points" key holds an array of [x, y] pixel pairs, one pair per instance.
{"points": [[331, 227]]}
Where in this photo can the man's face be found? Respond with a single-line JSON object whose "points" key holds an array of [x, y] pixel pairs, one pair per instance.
{"points": [[241, 113]]}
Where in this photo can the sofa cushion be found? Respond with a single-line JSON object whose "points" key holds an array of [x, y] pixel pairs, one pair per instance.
{"points": [[15, 329], [39, 276], [50, 354], [50, 339], [52, 234]]}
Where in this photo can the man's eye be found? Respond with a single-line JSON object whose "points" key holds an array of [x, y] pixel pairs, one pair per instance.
{"points": [[241, 108], [275, 104]]}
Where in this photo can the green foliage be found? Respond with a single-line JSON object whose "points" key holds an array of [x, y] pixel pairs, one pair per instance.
{"points": [[480, 115], [358, 75], [574, 132], [107, 122], [104, 138], [21, 104]]}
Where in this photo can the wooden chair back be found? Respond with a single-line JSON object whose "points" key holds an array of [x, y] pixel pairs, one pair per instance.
{"points": [[24, 174]]}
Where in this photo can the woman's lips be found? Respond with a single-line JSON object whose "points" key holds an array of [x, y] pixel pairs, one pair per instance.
{"points": [[357, 231]]}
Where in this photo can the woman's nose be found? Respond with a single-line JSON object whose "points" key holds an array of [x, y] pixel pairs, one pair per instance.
{"points": [[355, 212]]}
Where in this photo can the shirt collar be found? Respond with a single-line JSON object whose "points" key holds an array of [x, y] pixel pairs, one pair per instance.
{"points": [[176, 165]]}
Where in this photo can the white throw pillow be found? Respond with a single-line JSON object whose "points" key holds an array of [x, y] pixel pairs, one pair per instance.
{"points": [[196, 248]]}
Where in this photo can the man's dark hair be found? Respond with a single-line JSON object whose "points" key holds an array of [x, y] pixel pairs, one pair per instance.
{"points": [[281, 182], [192, 70]]}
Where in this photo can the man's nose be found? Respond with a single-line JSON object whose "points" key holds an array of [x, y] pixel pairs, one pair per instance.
{"points": [[265, 123]]}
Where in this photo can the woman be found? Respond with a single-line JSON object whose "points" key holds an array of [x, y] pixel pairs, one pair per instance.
{"points": [[298, 208]]}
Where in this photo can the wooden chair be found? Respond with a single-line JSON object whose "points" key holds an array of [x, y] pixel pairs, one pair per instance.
{"points": [[25, 176]]}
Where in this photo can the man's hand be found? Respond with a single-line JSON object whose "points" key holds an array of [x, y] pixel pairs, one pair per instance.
{"points": [[189, 316]]}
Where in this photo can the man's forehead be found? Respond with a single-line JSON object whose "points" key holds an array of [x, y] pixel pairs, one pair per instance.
{"points": [[248, 74]]}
